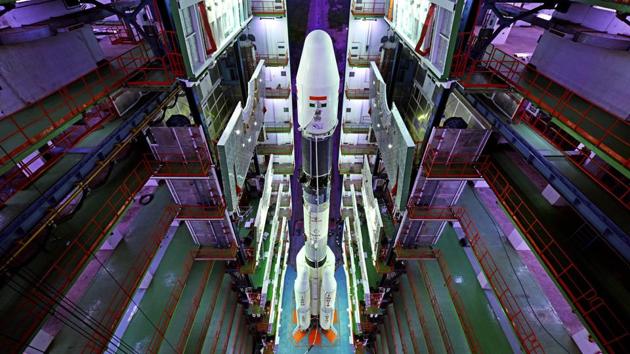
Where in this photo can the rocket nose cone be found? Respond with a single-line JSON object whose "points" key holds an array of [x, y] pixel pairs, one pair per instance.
{"points": [[318, 59]]}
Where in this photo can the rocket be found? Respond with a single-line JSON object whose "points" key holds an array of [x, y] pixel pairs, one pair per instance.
{"points": [[317, 84]]}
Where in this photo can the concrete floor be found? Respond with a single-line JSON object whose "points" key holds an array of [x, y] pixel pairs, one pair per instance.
{"points": [[104, 286], [286, 344], [531, 297], [485, 325]]}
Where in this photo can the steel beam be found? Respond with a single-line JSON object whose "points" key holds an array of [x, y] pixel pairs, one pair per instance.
{"points": [[613, 234]]}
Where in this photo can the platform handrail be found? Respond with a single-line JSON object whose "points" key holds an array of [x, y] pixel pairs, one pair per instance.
{"points": [[515, 72], [602, 319]]}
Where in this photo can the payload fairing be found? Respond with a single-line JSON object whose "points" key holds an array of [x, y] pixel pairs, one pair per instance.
{"points": [[317, 84]]}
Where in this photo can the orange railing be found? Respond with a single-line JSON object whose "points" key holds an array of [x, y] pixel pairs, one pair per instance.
{"points": [[522, 328], [421, 315], [190, 317], [375, 8], [601, 318], [177, 165], [117, 32], [446, 339], [600, 172], [30, 311], [443, 164], [496, 69], [171, 304], [34, 166], [116, 307], [38, 121], [466, 323], [269, 7]]}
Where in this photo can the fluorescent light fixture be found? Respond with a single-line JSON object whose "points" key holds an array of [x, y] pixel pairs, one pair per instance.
{"points": [[603, 8]]}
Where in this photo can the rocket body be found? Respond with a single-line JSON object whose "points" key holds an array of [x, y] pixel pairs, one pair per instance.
{"points": [[317, 84]]}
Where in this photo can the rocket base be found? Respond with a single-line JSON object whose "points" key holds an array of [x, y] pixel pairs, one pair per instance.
{"points": [[315, 333]]}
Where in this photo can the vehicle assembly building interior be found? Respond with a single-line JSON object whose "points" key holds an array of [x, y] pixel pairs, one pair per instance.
{"points": [[315, 176]]}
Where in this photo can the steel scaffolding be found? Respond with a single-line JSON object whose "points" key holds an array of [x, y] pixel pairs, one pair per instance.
{"points": [[601, 318], [29, 311], [603, 175], [46, 118], [497, 69], [522, 327]]}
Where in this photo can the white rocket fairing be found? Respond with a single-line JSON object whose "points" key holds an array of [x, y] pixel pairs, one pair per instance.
{"points": [[317, 84]]}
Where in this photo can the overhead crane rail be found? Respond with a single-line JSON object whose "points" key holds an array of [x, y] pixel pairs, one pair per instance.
{"points": [[29, 170], [611, 181], [497, 69], [44, 119]]}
